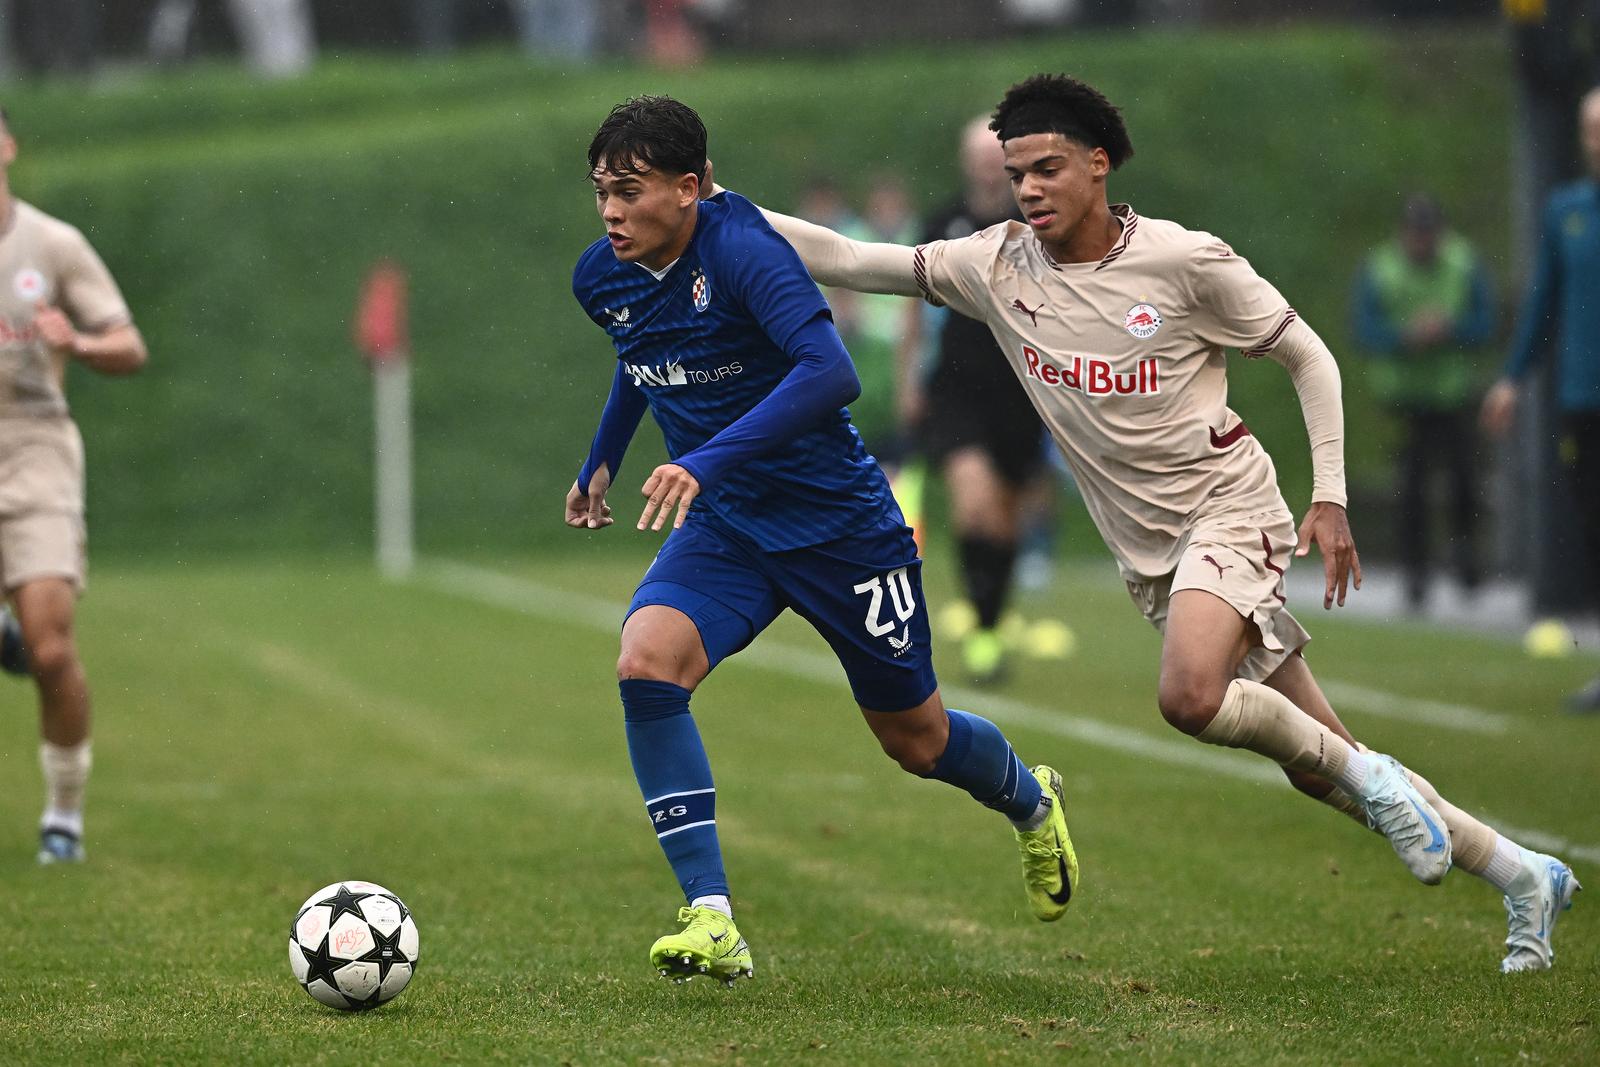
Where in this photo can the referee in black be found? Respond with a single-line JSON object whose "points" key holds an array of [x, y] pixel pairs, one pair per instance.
{"points": [[975, 426]]}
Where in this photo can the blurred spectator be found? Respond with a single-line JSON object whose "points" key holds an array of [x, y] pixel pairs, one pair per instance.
{"points": [[874, 323], [977, 426], [61, 35], [276, 35], [1561, 307], [563, 29], [823, 203], [671, 37], [1424, 307], [434, 22]]}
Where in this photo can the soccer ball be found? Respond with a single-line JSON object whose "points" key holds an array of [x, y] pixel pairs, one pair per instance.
{"points": [[353, 945]]}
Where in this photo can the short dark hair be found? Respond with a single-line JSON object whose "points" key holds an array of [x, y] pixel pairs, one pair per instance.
{"points": [[1059, 103], [655, 132]]}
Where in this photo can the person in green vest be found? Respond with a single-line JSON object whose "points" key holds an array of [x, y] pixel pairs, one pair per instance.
{"points": [[1424, 309]]}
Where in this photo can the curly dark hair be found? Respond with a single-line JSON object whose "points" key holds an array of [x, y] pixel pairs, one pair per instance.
{"points": [[1060, 103], [656, 132]]}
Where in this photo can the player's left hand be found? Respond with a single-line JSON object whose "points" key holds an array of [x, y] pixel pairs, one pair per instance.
{"points": [[669, 485], [1327, 526], [55, 328]]}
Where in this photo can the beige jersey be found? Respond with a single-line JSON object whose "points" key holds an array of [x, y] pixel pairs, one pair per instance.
{"points": [[45, 259], [1124, 360]]}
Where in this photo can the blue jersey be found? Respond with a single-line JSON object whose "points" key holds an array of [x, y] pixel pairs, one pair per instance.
{"points": [[1560, 305], [705, 344]]}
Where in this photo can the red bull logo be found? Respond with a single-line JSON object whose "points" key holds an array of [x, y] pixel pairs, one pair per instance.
{"points": [[1093, 377]]}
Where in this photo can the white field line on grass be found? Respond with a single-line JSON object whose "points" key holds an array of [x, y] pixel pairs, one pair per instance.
{"points": [[1412, 709], [528, 597]]}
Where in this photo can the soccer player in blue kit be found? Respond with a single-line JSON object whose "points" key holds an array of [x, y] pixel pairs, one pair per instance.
{"points": [[775, 503]]}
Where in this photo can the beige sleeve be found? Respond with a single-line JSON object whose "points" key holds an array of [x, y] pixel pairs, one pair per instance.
{"points": [[1235, 307], [1315, 374], [88, 293], [834, 259], [955, 274]]}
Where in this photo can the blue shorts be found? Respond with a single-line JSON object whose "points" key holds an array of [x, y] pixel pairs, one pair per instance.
{"points": [[862, 593]]}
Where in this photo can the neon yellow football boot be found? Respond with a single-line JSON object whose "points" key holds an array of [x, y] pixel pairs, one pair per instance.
{"points": [[708, 945], [1049, 865], [983, 654]]}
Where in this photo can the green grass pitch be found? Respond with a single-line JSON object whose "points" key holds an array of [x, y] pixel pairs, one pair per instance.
{"points": [[265, 728]]}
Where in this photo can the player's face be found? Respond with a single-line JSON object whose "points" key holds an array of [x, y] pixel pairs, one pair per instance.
{"points": [[1056, 182], [648, 215]]}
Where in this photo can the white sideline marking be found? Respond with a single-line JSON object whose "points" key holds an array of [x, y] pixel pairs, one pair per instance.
{"points": [[1411, 709], [527, 597]]}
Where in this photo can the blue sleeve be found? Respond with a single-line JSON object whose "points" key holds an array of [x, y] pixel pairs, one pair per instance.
{"points": [[823, 381], [1536, 324], [1373, 326], [1476, 324], [618, 421]]}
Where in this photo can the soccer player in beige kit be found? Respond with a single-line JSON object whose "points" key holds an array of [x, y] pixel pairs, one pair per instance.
{"points": [[1116, 326], [57, 303]]}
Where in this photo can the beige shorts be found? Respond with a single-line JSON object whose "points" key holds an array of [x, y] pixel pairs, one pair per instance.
{"points": [[1242, 561], [43, 544], [41, 501]]}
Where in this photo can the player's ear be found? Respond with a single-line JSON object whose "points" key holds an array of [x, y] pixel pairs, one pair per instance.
{"points": [[1099, 163], [688, 189]]}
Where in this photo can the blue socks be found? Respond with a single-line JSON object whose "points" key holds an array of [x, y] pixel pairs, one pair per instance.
{"points": [[978, 758], [675, 778]]}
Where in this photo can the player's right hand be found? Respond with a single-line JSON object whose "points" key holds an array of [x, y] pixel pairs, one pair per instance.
{"points": [[55, 329], [589, 511]]}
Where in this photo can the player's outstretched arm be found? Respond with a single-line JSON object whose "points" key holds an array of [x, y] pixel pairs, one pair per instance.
{"points": [[834, 259], [822, 381], [1315, 374]]}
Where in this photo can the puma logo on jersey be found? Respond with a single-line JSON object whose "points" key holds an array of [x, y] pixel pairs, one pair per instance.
{"points": [[1208, 558], [619, 317], [1032, 313], [1093, 377]]}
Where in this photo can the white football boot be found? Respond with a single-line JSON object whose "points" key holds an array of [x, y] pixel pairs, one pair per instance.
{"points": [[1396, 810], [1537, 897]]}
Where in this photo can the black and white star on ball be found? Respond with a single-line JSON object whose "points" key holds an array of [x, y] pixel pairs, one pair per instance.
{"points": [[385, 951], [319, 964], [344, 901]]}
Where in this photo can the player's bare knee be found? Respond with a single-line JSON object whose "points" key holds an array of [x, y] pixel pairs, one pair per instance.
{"points": [[52, 655], [653, 664], [1189, 702]]}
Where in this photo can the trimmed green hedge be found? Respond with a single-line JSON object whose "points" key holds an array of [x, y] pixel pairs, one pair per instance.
{"points": [[240, 219]]}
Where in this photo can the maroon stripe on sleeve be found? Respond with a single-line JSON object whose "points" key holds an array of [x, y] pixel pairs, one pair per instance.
{"points": [[919, 268], [1258, 350]]}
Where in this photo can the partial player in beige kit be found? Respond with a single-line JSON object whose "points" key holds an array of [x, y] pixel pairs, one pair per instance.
{"points": [[58, 303], [1117, 326]]}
